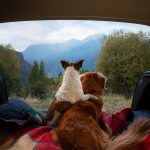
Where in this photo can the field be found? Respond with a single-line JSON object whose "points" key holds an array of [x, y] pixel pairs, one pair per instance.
{"points": [[112, 103]]}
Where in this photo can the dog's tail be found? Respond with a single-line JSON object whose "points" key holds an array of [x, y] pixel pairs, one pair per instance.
{"points": [[129, 139]]}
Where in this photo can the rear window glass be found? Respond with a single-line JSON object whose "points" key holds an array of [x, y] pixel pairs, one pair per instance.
{"points": [[30, 54]]}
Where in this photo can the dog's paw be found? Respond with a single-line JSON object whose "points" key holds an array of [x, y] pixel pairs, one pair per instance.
{"points": [[93, 97], [88, 96]]}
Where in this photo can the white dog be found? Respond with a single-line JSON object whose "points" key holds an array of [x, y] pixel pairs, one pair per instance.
{"points": [[70, 92], [71, 88]]}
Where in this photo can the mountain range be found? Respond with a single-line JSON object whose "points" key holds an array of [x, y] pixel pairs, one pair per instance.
{"points": [[73, 50]]}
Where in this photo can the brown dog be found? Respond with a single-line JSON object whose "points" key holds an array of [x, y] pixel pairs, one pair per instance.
{"points": [[79, 128], [93, 83]]}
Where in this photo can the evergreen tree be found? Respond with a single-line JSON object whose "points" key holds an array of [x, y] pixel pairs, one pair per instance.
{"points": [[83, 71], [38, 81], [34, 72]]}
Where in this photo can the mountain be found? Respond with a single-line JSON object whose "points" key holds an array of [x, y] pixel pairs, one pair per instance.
{"points": [[73, 50], [46, 51], [25, 68]]}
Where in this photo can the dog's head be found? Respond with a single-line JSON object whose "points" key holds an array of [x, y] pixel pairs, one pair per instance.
{"points": [[77, 65], [93, 83]]}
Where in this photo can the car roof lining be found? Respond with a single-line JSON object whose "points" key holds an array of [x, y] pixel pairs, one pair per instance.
{"points": [[134, 11]]}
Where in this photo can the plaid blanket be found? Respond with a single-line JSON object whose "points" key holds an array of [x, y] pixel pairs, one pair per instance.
{"points": [[40, 136], [8, 136], [120, 121], [41, 139]]}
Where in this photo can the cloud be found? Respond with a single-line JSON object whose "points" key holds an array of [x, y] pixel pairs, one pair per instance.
{"points": [[22, 34]]}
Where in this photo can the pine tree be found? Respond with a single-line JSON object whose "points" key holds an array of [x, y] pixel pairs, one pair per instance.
{"points": [[38, 81]]}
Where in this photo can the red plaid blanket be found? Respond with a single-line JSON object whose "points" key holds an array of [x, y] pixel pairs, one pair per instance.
{"points": [[42, 140], [42, 137]]}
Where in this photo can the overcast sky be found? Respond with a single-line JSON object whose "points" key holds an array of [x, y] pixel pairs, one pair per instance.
{"points": [[22, 34]]}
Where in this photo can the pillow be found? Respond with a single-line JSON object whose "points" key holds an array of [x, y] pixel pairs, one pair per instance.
{"points": [[18, 112]]}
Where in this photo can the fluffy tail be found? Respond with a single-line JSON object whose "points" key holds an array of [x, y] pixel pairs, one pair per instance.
{"points": [[129, 139]]}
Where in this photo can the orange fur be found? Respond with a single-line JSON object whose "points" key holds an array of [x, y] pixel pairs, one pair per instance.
{"points": [[79, 128], [93, 83]]}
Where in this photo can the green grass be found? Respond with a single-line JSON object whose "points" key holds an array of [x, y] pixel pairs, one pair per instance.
{"points": [[36, 103], [112, 103]]}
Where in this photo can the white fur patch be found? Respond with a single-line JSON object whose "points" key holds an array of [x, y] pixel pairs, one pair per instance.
{"points": [[24, 143], [71, 88]]}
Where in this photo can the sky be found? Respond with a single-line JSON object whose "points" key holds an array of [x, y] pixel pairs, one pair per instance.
{"points": [[22, 34]]}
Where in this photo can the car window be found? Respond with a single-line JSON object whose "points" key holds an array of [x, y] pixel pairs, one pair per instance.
{"points": [[30, 54]]}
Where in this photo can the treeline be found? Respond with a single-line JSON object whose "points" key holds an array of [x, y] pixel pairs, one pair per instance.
{"points": [[38, 85], [10, 69], [124, 57]]}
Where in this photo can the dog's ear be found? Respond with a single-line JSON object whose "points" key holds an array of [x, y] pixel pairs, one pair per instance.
{"points": [[102, 79], [64, 64], [78, 64], [81, 77]]}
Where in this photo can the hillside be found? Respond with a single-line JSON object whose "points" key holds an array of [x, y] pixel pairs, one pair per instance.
{"points": [[72, 50]]}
